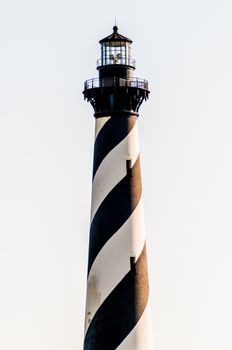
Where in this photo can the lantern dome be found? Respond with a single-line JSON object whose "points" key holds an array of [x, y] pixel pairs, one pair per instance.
{"points": [[115, 36]]}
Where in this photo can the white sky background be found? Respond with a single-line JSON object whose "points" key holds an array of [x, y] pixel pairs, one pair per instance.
{"points": [[47, 50]]}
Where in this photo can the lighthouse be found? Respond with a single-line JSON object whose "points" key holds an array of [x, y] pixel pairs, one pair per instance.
{"points": [[117, 299]]}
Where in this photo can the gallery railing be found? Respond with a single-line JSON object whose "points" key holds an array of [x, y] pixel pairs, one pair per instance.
{"points": [[116, 82]]}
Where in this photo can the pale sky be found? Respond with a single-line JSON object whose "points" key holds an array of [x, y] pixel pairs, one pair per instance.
{"points": [[47, 50]]}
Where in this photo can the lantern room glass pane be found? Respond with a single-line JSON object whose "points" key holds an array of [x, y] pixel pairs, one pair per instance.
{"points": [[116, 52]]}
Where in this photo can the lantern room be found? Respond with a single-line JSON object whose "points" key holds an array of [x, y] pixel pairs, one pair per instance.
{"points": [[115, 50]]}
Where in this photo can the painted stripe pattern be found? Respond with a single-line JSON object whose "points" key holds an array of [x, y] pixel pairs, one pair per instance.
{"points": [[117, 286]]}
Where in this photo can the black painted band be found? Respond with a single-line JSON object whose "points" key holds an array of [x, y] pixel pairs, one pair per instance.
{"points": [[115, 209], [110, 135], [121, 310]]}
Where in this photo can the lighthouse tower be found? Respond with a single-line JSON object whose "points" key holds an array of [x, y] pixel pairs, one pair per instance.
{"points": [[117, 301]]}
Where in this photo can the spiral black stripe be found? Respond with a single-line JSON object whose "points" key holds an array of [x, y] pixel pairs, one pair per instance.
{"points": [[115, 209], [112, 132], [121, 311]]}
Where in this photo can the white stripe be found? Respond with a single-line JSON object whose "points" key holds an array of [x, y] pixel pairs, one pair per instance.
{"points": [[100, 122], [140, 338], [113, 261], [113, 168]]}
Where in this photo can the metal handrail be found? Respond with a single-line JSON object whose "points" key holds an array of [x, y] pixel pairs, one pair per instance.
{"points": [[108, 61], [116, 82]]}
